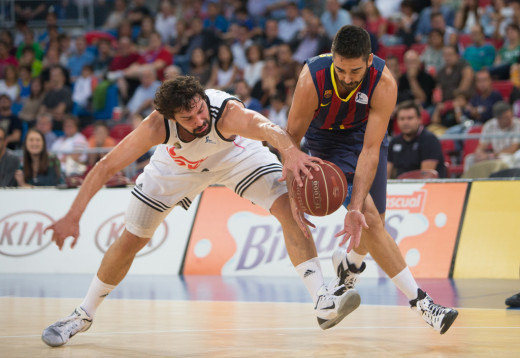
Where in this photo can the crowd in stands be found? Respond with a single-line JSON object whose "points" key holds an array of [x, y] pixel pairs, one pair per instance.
{"points": [[62, 91]]}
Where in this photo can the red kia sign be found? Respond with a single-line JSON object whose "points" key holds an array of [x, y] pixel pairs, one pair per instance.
{"points": [[21, 233]]}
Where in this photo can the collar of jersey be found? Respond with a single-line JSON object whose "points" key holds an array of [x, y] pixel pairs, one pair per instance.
{"points": [[336, 88]]}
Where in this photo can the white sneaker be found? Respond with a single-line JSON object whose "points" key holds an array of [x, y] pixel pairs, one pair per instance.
{"points": [[59, 333], [331, 308], [438, 317], [347, 273]]}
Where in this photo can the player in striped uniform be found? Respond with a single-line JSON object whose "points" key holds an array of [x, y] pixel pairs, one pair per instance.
{"points": [[342, 105], [207, 137]]}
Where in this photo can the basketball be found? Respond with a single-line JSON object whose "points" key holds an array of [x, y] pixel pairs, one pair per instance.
{"points": [[322, 195]]}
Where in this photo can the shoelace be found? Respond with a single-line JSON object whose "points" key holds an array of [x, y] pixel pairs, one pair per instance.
{"points": [[432, 310]]}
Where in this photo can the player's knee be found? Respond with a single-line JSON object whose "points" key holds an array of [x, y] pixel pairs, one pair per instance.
{"points": [[131, 242]]}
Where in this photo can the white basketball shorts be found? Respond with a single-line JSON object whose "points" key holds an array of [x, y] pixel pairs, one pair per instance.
{"points": [[154, 196]]}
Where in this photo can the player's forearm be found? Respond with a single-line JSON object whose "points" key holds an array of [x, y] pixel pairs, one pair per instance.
{"points": [[365, 172], [277, 137], [94, 181]]}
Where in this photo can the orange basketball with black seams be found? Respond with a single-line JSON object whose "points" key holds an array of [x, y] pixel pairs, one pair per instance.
{"points": [[324, 193]]}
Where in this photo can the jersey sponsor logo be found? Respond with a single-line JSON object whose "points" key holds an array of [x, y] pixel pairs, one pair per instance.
{"points": [[209, 140], [113, 227], [21, 233], [183, 162], [361, 98], [325, 104], [327, 94]]}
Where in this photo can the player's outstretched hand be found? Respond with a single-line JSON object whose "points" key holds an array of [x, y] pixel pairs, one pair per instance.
{"points": [[299, 164], [354, 223], [62, 229]]}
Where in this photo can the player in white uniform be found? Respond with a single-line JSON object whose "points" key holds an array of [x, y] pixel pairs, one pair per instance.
{"points": [[203, 138]]}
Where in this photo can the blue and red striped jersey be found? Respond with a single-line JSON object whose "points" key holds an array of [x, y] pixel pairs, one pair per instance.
{"points": [[341, 114]]}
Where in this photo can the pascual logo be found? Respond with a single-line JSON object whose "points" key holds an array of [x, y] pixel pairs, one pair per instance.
{"points": [[413, 203], [113, 227], [21, 233]]}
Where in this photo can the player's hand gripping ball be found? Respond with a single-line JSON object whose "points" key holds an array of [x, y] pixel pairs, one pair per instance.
{"points": [[323, 194]]}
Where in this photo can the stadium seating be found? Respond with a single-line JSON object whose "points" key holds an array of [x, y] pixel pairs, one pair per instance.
{"points": [[119, 131], [420, 174], [504, 87]]}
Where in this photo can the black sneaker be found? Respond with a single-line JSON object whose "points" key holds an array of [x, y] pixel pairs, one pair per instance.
{"points": [[438, 317], [513, 301]]}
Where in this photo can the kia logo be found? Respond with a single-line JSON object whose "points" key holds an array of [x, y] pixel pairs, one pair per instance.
{"points": [[113, 227], [21, 233]]}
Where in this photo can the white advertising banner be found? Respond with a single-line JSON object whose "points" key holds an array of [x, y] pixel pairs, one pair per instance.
{"points": [[24, 248]]}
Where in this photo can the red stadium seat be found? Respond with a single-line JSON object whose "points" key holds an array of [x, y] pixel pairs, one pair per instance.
{"points": [[419, 48], [504, 87], [470, 145], [88, 130], [119, 131], [465, 40], [395, 50]]}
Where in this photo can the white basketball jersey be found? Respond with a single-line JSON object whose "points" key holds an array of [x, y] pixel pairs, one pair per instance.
{"points": [[212, 152]]}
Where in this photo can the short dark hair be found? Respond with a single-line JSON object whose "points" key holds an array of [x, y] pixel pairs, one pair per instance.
{"points": [[352, 42], [177, 94], [408, 105]]}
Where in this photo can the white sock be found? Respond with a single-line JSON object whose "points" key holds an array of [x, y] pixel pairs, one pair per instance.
{"points": [[354, 258], [96, 294], [310, 272], [406, 283]]}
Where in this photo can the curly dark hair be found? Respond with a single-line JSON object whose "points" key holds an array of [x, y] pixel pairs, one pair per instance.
{"points": [[352, 42], [177, 95]]}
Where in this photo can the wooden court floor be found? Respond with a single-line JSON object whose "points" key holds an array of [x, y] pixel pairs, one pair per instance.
{"points": [[164, 328]]}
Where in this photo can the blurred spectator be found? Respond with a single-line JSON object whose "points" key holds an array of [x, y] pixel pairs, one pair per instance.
{"points": [[467, 15], [452, 116], [142, 99], [432, 56], [137, 12], [360, 19], [241, 42], [5, 58], [51, 31], [28, 59], [497, 148], [479, 54], [215, 21], [415, 83], [224, 72], [289, 68], [415, 148], [125, 29], [51, 60], [270, 40], [125, 55], [29, 10], [24, 82], [103, 59], [334, 17], [143, 38], [311, 42], [508, 54], [28, 41], [84, 88], [270, 83], [199, 66], [10, 122], [200, 37], [243, 91], [406, 23], [144, 159], [116, 16], [7, 38], [255, 63], [73, 140], [166, 22], [66, 48], [240, 16], [39, 167], [392, 63], [44, 125], [172, 72], [9, 85], [32, 104], [450, 33], [193, 10], [9, 162], [376, 23], [81, 57], [278, 109], [496, 16], [482, 102], [425, 23], [292, 24], [456, 74], [19, 32], [155, 57], [58, 99], [100, 139]]}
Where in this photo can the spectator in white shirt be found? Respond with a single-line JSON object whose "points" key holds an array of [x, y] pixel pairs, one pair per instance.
{"points": [[289, 27]]}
